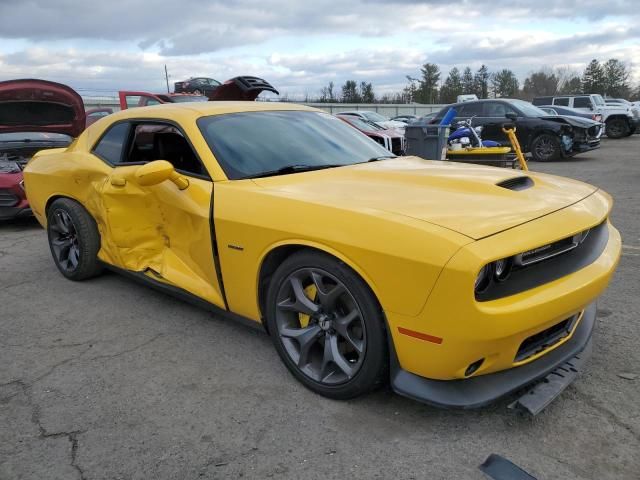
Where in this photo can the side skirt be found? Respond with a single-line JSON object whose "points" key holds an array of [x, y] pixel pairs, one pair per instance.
{"points": [[185, 296]]}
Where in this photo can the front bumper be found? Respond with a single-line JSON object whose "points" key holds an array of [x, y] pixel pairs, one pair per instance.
{"points": [[8, 213], [478, 391]]}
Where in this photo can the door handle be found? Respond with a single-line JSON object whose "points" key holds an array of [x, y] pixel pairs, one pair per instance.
{"points": [[118, 181]]}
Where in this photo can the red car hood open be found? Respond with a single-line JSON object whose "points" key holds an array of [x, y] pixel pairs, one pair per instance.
{"points": [[40, 106]]}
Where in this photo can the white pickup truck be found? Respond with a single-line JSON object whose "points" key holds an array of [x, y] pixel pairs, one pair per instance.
{"points": [[620, 120]]}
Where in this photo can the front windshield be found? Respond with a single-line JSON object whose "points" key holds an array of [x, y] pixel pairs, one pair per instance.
{"points": [[252, 143], [598, 100], [374, 117], [189, 98], [527, 109]]}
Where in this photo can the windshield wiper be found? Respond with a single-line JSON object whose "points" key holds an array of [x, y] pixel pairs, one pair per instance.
{"points": [[381, 157], [292, 169]]}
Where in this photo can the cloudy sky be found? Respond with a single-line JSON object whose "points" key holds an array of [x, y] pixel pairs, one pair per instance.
{"points": [[300, 46]]}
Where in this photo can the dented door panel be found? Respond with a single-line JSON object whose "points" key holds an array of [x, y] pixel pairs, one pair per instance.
{"points": [[161, 231]]}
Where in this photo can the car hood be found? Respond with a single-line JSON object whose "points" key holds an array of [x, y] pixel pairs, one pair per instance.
{"points": [[40, 106], [389, 124], [464, 198], [572, 120]]}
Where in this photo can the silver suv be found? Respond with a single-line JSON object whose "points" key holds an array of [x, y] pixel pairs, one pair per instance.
{"points": [[620, 120]]}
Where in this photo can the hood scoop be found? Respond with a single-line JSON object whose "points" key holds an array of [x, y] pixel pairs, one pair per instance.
{"points": [[516, 183]]}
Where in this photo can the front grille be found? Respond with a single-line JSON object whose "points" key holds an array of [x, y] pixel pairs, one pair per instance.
{"points": [[549, 262], [8, 198], [547, 338]]}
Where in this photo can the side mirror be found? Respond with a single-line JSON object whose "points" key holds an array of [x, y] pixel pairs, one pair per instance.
{"points": [[511, 116], [157, 172]]}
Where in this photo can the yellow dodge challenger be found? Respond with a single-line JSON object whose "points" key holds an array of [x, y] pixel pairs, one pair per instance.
{"points": [[457, 284]]}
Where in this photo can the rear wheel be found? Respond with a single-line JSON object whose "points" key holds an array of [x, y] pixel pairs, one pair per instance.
{"points": [[74, 240], [617, 128], [327, 326], [545, 148]]}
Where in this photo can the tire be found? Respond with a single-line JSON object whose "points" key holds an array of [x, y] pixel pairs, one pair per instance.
{"points": [[617, 128], [340, 349], [545, 148], [74, 240]]}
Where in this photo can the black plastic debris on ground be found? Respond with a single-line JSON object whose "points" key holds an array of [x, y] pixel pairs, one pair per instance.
{"points": [[499, 468]]}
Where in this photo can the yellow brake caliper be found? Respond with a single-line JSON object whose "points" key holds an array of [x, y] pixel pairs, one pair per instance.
{"points": [[310, 292]]}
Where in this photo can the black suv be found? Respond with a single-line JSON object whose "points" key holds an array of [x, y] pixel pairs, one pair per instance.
{"points": [[546, 137]]}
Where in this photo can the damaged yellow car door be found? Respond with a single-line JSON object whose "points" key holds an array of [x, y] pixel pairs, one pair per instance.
{"points": [[159, 228]]}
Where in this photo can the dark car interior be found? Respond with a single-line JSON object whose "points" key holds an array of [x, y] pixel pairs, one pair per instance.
{"points": [[160, 142]]}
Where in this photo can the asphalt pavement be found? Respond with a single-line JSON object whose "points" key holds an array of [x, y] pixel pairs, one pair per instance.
{"points": [[108, 379]]}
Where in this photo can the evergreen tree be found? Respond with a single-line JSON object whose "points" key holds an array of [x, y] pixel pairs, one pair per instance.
{"points": [[481, 81], [504, 84], [452, 87], [593, 78], [468, 84], [572, 86], [366, 93], [350, 92], [541, 83], [616, 79], [427, 92]]}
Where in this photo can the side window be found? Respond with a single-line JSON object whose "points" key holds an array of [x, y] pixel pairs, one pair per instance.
{"points": [[470, 110], [564, 101], [109, 147], [494, 109], [133, 101], [581, 102], [157, 141]]}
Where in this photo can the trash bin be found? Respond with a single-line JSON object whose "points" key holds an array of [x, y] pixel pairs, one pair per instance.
{"points": [[427, 141]]}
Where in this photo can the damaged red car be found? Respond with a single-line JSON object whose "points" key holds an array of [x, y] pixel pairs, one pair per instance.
{"points": [[390, 138], [34, 115]]}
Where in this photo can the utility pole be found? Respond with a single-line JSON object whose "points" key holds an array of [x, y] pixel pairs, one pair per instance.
{"points": [[166, 77]]}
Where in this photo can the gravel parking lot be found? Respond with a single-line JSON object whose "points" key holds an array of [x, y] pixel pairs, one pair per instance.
{"points": [[108, 379]]}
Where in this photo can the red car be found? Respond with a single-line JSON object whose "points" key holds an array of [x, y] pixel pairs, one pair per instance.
{"points": [[238, 88], [390, 138], [144, 99], [34, 115]]}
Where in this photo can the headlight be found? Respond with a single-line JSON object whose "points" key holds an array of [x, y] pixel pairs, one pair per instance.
{"points": [[502, 268], [484, 278], [497, 271]]}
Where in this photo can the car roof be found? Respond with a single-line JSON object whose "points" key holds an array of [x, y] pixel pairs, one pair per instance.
{"points": [[204, 109]]}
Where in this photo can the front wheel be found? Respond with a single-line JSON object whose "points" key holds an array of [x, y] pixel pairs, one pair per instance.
{"points": [[327, 326], [617, 128], [74, 240], [545, 148]]}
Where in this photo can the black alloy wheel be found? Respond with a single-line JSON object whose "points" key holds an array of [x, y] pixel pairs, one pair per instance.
{"points": [[327, 326], [545, 148], [64, 241], [74, 239]]}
